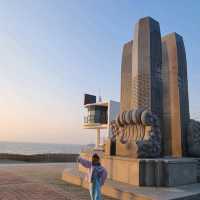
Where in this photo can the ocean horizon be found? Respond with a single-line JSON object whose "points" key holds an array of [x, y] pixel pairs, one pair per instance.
{"points": [[29, 148]]}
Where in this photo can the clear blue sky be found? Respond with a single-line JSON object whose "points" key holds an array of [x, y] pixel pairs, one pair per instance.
{"points": [[52, 52]]}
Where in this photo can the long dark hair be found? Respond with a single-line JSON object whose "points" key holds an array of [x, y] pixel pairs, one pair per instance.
{"points": [[96, 159]]}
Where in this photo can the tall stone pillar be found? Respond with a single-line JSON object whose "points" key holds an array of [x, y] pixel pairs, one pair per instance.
{"points": [[141, 85], [175, 99], [146, 67], [126, 77]]}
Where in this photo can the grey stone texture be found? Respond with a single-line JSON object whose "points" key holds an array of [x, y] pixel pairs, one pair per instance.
{"points": [[198, 169], [168, 172], [126, 77], [141, 69], [146, 67], [139, 131], [175, 95], [124, 191], [141, 86], [194, 138], [154, 78]]}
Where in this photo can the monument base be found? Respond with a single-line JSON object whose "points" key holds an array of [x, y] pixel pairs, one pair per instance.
{"points": [[149, 172], [124, 191]]}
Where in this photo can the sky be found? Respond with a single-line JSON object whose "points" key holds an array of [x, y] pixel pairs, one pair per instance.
{"points": [[52, 52]]}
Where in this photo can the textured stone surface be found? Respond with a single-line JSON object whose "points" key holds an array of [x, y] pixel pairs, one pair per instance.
{"points": [[137, 134], [38, 182], [126, 77], [154, 77], [198, 169], [124, 191], [150, 172], [141, 81], [183, 172], [194, 138], [175, 99], [14, 186], [146, 66]]}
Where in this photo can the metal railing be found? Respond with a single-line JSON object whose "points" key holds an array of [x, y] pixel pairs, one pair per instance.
{"points": [[102, 119]]}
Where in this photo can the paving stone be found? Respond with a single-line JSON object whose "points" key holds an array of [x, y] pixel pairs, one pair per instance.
{"points": [[38, 182]]}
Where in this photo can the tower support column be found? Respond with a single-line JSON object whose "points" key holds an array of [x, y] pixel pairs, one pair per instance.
{"points": [[98, 139]]}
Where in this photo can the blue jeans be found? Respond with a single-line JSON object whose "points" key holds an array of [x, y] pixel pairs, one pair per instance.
{"points": [[95, 190]]}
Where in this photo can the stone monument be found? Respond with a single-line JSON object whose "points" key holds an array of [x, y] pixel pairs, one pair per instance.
{"points": [[153, 130], [141, 91], [146, 67], [175, 96], [126, 77]]}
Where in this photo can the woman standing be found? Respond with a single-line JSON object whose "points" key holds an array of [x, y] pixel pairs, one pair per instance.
{"points": [[96, 175]]}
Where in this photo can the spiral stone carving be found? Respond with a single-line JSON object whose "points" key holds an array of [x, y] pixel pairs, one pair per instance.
{"points": [[141, 127]]}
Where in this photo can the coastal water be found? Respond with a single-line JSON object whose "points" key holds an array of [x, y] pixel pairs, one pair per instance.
{"points": [[38, 148]]}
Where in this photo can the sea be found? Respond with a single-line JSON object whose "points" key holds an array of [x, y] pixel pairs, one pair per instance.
{"points": [[27, 148]]}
